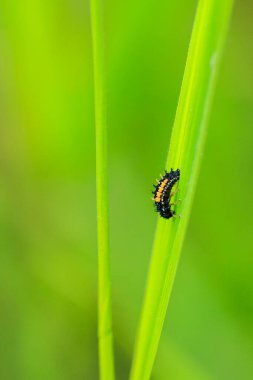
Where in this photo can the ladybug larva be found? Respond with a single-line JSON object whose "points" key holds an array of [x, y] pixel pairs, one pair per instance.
{"points": [[163, 194]]}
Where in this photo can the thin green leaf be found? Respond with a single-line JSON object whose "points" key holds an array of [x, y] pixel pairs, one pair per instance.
{"points": [[106, 361], [185, 152]]}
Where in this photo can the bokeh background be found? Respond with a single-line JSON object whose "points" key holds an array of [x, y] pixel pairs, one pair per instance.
{"points": [[48, 262]]}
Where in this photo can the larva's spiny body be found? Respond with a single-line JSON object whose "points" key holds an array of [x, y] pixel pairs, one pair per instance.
{"points": [[162, 193]]}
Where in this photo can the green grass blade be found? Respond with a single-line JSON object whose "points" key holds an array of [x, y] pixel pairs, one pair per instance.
{"points": [[185, 153], [106, 361]]}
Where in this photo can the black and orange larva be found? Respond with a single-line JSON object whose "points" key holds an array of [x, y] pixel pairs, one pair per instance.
{"points": [[162, 193]]}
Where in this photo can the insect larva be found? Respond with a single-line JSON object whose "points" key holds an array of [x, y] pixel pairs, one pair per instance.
{"points": [[162, 193]]}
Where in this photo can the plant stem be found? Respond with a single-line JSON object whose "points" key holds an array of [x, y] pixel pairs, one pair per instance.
{"points": [[106, 360], [185, 152]]}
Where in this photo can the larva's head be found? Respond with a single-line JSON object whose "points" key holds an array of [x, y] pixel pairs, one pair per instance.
{"points": [[173, 175]]}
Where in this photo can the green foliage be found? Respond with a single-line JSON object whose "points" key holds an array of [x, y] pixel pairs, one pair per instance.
{"points": [[186, 149], [48, 260], [106, 361]]}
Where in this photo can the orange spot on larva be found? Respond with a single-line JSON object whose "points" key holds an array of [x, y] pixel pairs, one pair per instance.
{"points": [[163, 184]]}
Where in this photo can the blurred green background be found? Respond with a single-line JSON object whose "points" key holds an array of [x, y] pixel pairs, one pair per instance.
{"points": [[47, 191]]}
